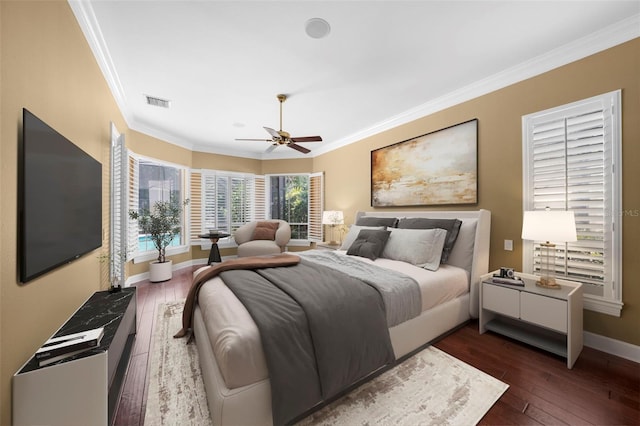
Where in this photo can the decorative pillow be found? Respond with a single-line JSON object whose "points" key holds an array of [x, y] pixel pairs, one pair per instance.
{"points": [[452, 226], [420, 247], [354, 230], [265, 231], [390, 222], [369, 244]]}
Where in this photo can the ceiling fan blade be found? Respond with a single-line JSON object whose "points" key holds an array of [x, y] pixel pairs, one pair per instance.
{"points": [[307, 139], [299, 148], [257, 140], [272, 147], [272, 132]]}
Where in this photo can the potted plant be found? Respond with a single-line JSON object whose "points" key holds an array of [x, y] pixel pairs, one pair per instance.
{"points": [[161, 224]]}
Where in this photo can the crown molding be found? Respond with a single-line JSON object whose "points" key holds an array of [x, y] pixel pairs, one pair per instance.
{"points": [[86, 18], [608, 37]]}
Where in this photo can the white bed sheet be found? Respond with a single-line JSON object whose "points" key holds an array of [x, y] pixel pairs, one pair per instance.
{"points": [[235, 339], [436, 287]]}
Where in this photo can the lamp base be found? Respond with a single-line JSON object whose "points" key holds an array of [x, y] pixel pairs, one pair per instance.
{"points": [[333, 243], [549, 282]]}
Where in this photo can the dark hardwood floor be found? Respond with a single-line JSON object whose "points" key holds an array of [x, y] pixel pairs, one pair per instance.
{"points": [[601, 389]]}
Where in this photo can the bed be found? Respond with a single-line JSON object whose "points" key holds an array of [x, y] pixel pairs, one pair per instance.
{"points": [[233, 365]]}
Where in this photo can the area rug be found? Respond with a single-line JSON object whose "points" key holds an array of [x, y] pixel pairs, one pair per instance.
{"points": [[430, 388], [176, 393]]}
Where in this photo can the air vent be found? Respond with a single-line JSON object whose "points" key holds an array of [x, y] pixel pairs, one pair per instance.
{"points": [[163, 103]]}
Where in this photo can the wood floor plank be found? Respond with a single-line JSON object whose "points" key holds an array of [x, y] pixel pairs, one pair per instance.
{"points": [[600, 389], [132, 398]]}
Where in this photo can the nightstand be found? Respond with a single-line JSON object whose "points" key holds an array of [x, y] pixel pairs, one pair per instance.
{"points": [[549, 319], [327, 246]]}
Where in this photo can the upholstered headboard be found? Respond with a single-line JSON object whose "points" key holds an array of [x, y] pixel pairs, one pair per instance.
{"points": [[471, 250]]}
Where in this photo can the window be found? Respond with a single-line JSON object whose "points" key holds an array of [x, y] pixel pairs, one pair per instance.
{"points": [[151, 181], [224, 201], [572, 161], [297, 199]]}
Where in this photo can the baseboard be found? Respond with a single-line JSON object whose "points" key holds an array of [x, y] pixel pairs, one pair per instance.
{"points": [[186, 264], [145, 275], [612, 346]]}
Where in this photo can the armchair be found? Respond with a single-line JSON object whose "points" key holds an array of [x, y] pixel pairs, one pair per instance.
{"points": [[262, 237]]}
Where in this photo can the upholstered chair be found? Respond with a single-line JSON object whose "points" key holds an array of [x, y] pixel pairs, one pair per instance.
{"points": [[262, 237]]}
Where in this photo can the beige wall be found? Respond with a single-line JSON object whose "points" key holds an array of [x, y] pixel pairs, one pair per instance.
{"points": [[47, 67], [347, 171]]}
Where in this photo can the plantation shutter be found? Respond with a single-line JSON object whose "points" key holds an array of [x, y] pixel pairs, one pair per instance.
{"points": [[133, 204], [569, 165], [228, 200], [316, 205], [118, 225], [195, 203], [258, 201]]}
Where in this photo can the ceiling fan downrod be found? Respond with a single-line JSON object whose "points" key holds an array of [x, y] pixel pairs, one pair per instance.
{"points": [[281, 98]]}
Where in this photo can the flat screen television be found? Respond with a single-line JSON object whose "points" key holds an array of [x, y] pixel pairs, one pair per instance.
{"points": [[60, 199]]}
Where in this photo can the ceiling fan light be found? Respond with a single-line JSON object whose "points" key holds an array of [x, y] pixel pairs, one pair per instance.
{"points": [[317, 28]]}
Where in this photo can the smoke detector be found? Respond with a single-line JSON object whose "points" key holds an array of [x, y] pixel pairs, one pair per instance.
{"points": [[317, 28]]}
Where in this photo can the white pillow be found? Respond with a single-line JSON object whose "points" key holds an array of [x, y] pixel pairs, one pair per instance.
{"points": [[420, 247], [462, 253], [354, 230]]}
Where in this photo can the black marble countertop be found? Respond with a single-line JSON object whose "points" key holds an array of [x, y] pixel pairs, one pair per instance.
{"points": [[102, 309]]}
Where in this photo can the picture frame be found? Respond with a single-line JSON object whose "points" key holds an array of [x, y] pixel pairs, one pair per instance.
{"points": [[437, 168]]}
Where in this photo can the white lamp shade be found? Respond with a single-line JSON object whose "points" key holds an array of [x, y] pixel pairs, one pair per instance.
{"points": [[332, 217], [548, 225]]}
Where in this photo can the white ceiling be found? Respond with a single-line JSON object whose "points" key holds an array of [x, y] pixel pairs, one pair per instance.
{"points": [[221, 63]]}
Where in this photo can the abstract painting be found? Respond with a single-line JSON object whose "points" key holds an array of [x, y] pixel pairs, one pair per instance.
{"points": [[437, 168]]}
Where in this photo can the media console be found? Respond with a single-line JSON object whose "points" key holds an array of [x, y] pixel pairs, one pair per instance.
{"points": [[83, 389]]}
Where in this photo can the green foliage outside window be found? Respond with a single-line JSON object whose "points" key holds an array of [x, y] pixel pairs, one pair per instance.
{"points": [[290, 202]]}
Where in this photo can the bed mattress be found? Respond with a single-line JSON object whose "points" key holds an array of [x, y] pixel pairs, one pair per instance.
{"points": [[234, 337]]}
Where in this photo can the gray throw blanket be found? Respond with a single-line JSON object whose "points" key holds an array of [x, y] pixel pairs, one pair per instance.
{"points": [[321, 331], [400, 292]]}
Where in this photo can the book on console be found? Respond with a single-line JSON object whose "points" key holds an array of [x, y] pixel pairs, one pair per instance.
{"points": [[47, 361], [69, 344]]}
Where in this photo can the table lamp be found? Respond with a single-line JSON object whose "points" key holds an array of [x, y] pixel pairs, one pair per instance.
{"points": [[332, 218], [547, 225]]}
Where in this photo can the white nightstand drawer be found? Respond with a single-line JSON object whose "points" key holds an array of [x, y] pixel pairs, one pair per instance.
{"points": [[544, 311], [502, 300]]}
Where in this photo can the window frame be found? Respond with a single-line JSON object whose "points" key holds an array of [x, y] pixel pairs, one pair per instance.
{"points": [[611, 301], [134, 186], [315, 202], [253, 207]]}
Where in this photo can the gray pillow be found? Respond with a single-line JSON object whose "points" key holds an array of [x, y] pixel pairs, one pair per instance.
{"points": [[452, 226], [420, 247], [369, 244], [390, 222], [354, 230]]}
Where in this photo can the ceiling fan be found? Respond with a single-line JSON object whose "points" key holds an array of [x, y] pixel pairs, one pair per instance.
{"points": [[281, 137]]}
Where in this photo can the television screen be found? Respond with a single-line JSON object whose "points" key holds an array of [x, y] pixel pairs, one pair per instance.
{"points": [[60, 191]]}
